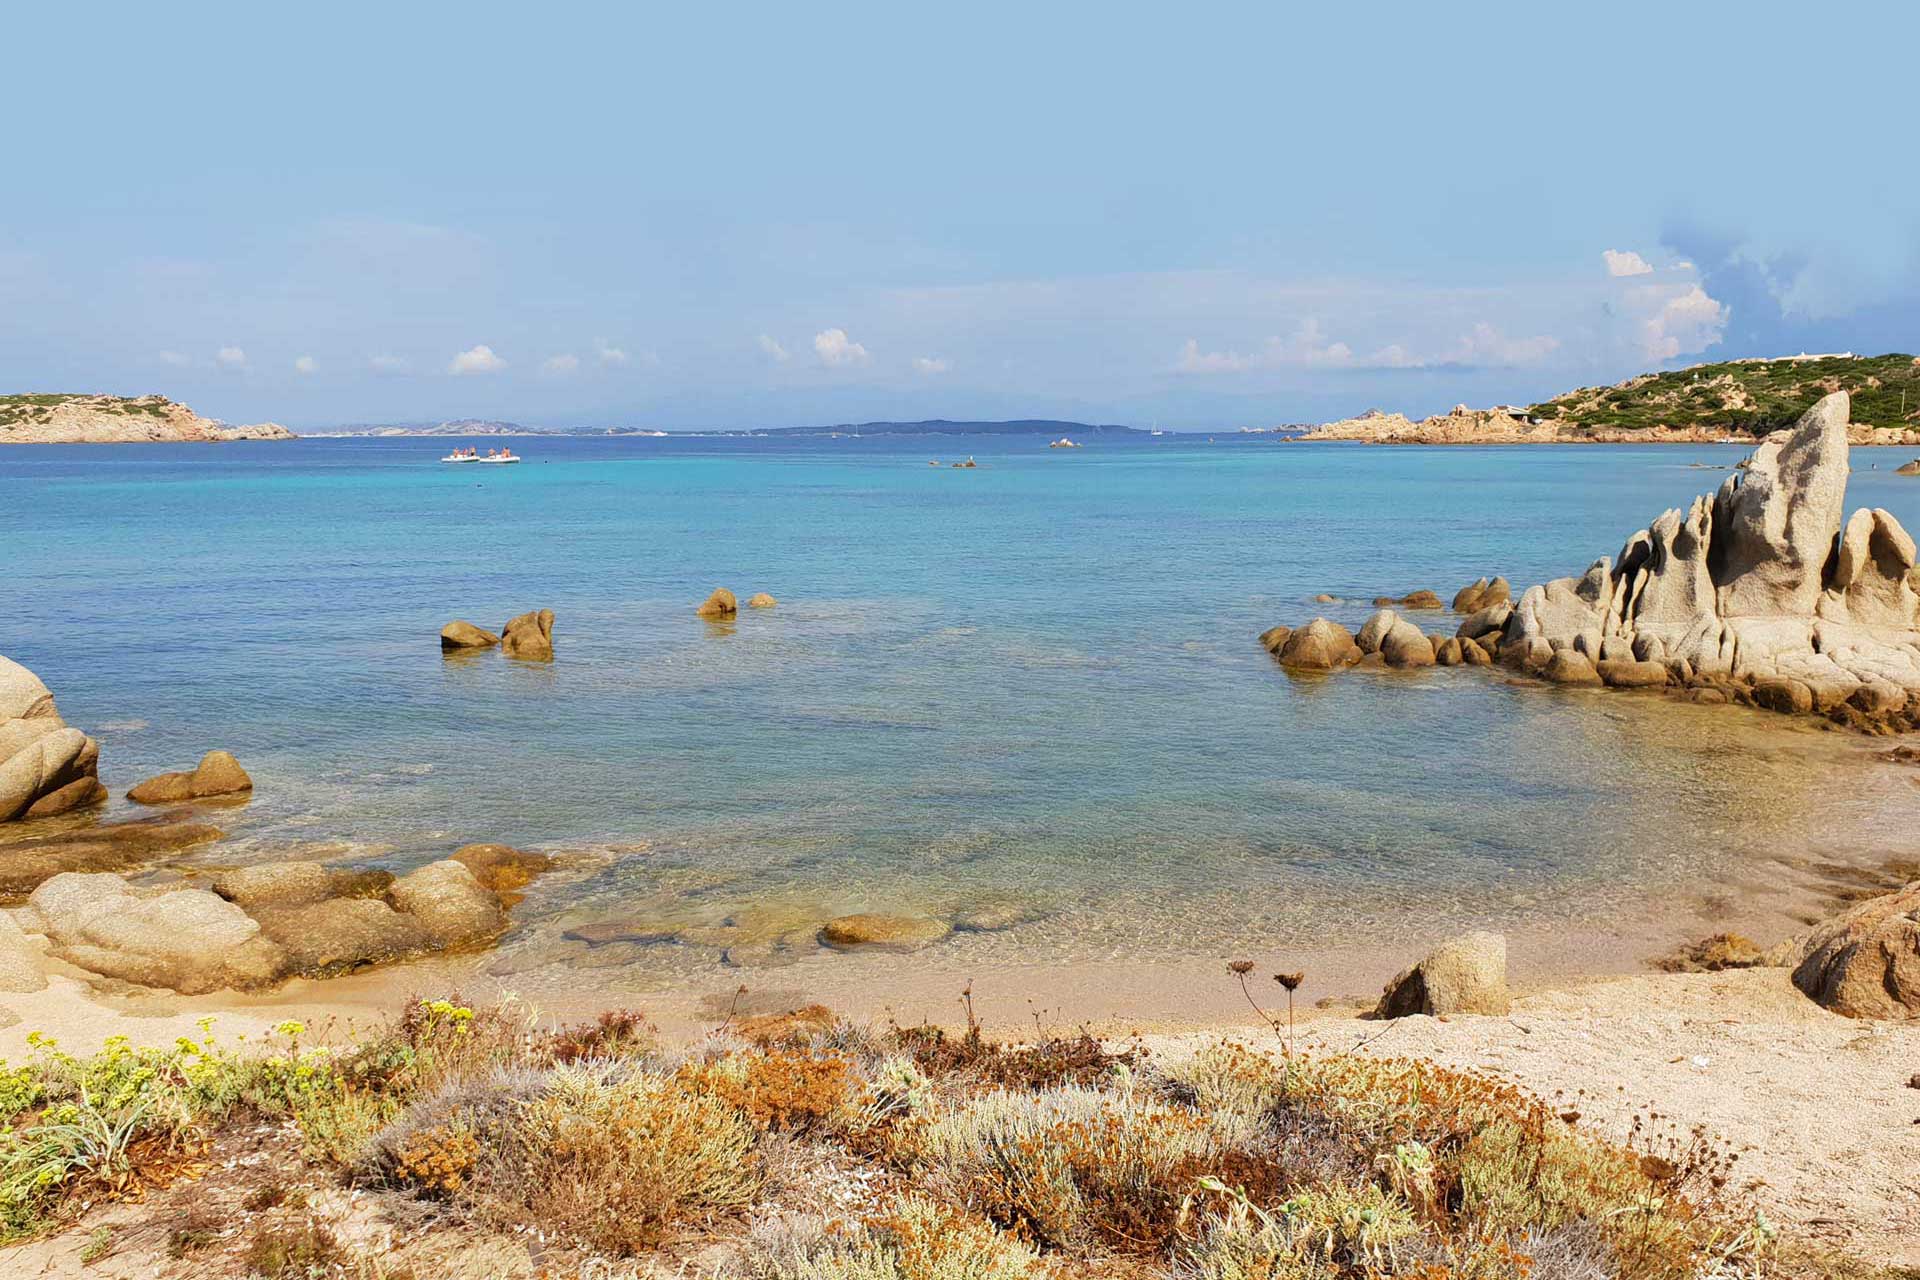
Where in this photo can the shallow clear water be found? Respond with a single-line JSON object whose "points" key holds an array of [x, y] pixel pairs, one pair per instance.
{"points": [[1031, 687]]}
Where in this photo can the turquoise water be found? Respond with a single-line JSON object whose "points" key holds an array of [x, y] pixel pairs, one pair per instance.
{"points": [[1029, 689]]}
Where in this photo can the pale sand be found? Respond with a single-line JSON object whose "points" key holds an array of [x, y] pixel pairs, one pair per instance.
{"points": [[1817, 1106]]}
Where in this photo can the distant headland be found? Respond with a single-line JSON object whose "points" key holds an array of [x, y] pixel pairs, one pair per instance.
{"points": [[1736, 400], [87, 419]]}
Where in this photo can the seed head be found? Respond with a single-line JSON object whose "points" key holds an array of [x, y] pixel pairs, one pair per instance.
{"points": [[1291, 981], [1240, 968]]}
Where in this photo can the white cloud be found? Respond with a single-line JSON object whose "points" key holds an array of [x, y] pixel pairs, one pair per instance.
{"points": [[777, 353], [1685, 324], [230, 358], [175, 359], [388, 364], [560, 364], [1625, 262], [836, 350], [305, 364], [480, 359], [931, 365], [1485, 347], [609, 356], [1308, 348]]}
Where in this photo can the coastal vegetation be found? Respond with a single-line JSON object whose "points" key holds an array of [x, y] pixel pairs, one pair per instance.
{"points": [[1751, 397], [806, 1148], [23, 409]]}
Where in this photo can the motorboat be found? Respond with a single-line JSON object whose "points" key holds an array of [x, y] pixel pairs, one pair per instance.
{"points": [[505, 455], [458, 456]]}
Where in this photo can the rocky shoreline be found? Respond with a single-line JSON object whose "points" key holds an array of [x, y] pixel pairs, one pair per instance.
{"points": [[90, 419], [1464, 426]]}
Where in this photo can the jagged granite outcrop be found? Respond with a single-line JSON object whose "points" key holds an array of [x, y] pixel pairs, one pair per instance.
{"points": [[92, 419], [1761, 583]]}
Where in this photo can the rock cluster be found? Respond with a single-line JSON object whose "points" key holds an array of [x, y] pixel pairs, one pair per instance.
{"points": [[217, 774], [259, 925], [1761, 586], [46, 766]]}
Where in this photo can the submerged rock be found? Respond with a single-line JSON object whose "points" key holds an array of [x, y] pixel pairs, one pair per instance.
{"points": [[1865, 963], [47, 767], [529, 636], [1465, 975], [461, 634], [720, 605], [761, 600], [26, 864], [217, 774], [875, 929]]}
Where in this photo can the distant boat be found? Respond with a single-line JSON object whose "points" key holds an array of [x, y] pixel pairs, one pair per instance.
{"points": [[458, 456], [505, 455], [1064, 443]]}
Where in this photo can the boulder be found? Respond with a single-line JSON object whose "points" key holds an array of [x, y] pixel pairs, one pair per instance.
{"points": [[452, 906], [1373, 632], [529, 636], [1865, 963], [1790, 697], [337, 935], [1484, 622], [1568, 666], [1319, 646], [217, 774], [720, 605], [25, 864], [22, 967], [1466, 975], [1473, 655], [1467, 598], [1274, 637], [502, 868], [46, 766], [1625, 673], [761, 600], [279, 885], [1405, 645], [186, 940], [461, 634], [889, 932], [1421, 600], [1449, 653]]}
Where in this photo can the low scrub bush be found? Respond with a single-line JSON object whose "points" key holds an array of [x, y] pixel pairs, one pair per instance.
{"points": [[914, 1239]]}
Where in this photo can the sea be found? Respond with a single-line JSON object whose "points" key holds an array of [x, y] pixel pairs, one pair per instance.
{"points": [[1023, 697]]}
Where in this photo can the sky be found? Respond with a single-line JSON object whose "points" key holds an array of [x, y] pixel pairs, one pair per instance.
{"points": [[687, 217]]}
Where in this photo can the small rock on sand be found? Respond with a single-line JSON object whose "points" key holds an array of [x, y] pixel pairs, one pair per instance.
{"points": [[1865, 962], [1465, 975]]}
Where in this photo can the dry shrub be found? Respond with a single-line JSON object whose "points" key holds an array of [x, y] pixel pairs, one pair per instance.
{"points": [[1045, 1064], [279, 1251], [1333, 1231], [1077, 1168], [616, 1033], [792, 1092], [915, 1239], [438, 1159], [614, 1163]]}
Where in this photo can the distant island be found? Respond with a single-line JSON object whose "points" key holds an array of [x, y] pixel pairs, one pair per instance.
{"points": [[87, 419], [948, 427], [465, 427], [1735, 400]]}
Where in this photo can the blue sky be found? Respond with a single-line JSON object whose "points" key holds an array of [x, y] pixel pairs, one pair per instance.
{"points": [[1206, 216]]}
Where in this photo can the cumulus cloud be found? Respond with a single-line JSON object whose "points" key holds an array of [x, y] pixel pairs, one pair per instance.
{"points": [[1308, 348], [305, 364], [560, 364], [1625, 262], [931, 364], [775, 352], [387, 364], [1485, 347], [609, 356], [836, 350], [175, 359], [230, 358], [1685, 324], [480, 359]]}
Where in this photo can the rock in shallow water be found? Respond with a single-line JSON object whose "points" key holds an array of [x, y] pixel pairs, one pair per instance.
{"points": [[217, 774], [1319, 646], [722, 604], [461, 634], [876, 929], [529, 636], [46, 766]]}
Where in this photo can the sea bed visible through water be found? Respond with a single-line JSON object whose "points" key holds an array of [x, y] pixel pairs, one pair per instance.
{"points": [[1025, 696]]}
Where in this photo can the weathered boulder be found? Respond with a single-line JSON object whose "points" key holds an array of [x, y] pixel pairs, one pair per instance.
{"points": [[217, 774], [22, 967], [46, 766], [1449, 653], [1373, 632], [1472, 654], [1465, 975], [889, 932], [500, 867], [1274, 637], [336, 935], [529, 636], [25, 864], [1568, 666], [761, 600], [1467, 598], [188, 940], [461, 634], [1865, 963], [278, 885], [720, 605], [1625, 673], [1790, 697], [1485, 622], [1405, 645], [451, 905], [1319, 646]]}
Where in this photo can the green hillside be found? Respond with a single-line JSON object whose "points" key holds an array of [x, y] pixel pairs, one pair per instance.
{"points": [[1750, 396], [39, 408]]}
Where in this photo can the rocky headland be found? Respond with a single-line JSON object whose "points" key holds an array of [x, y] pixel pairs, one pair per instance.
{"points": [[1761, 594], [85, 419]]}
